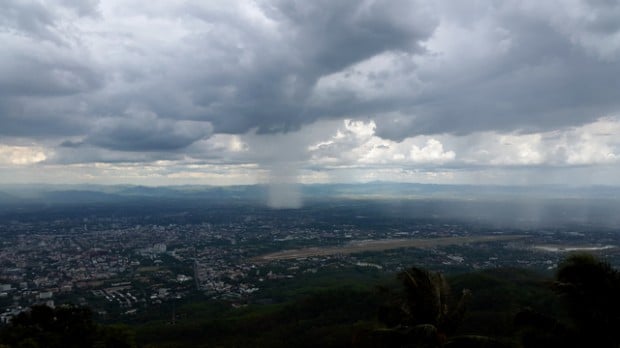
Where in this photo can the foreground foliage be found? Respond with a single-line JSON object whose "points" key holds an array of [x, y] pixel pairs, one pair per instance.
{"points": [[66, 326], [588, 288]]}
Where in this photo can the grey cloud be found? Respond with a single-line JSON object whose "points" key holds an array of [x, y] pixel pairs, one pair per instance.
{"points": [[196, 65], [28, 75], [83, 7], [27, 17], [41, 118], [543, 82], [71, 144], [44, 76], [39, 19], [602, 17], [143, 131], [80, 152], [314, 38], [334, 35]]}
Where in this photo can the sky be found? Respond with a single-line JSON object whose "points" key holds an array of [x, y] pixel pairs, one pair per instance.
{"points": [[243, 92]]}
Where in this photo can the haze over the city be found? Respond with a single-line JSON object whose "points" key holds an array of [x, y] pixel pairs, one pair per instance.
{"points": [[244, 92]]}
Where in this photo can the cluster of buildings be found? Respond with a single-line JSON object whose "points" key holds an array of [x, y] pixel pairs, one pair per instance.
{"points": [[124, 266]]}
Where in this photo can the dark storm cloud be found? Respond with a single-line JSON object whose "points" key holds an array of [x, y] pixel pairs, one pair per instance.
{"points": [[526, 74], [546, 77], [27, 75], [313, 39], [141, 131], [41, 117], [333, 35], [559, 95], [44, 72], [77, 69]]}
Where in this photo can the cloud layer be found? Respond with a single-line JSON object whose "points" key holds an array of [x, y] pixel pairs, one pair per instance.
{"points": [[432, 86]]}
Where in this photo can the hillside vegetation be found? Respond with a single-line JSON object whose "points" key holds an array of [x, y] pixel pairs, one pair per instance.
{"points": [[418, 308]]}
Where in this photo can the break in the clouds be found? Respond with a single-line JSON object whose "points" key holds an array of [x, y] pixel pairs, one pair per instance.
{"points": [[330, 90]]}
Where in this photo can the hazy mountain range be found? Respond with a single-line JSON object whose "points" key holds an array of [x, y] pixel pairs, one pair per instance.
{"points": [[374, 190]]}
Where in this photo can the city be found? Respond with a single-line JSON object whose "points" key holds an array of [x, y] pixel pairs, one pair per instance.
{"points": [[122, 266]]}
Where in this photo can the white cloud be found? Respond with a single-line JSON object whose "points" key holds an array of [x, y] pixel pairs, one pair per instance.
{"points": [[517, 149], [591, 144], [432, 152], [21, 155], [594, 143], [355, 143], [346, 151]]}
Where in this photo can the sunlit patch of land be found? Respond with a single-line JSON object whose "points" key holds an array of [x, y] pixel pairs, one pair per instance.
{"points": [[571, 248], [381, 245]]}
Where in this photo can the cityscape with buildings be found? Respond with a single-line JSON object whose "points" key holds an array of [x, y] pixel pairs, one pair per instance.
{"points": [[125, 265]]}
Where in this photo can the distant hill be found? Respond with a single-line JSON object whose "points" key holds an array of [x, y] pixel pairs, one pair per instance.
{"points": [[77, 196], [371, 190], [6, 198], [380, 189], [512, 206]]}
